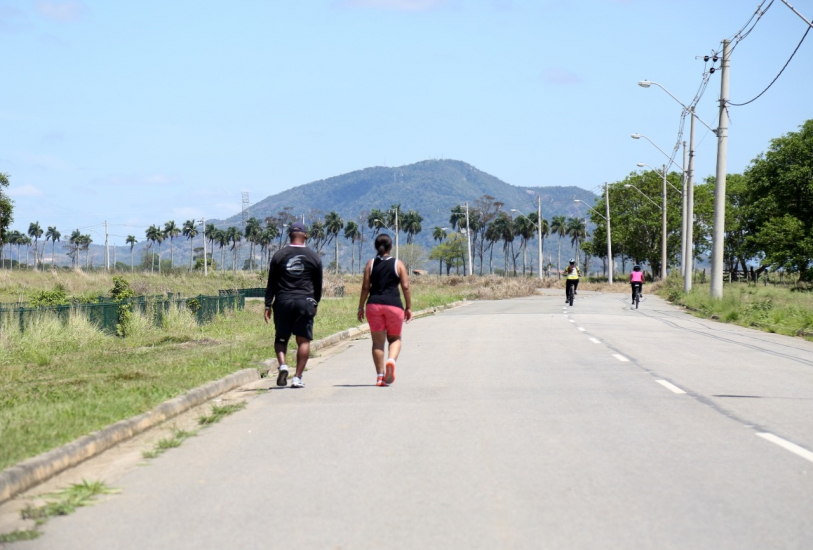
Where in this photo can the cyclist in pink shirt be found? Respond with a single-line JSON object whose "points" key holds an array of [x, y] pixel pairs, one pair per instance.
{"points": [[636, 279]]}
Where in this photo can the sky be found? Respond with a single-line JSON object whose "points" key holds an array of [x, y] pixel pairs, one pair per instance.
{"points": [[141, 112]]}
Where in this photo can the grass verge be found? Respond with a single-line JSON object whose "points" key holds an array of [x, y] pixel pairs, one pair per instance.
{"points": [[59, 503], [61, 381], [771, 309], [219, 412], [163, 445]]}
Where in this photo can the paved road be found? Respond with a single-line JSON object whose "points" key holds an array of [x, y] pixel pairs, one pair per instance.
{"points": [[512, 424]]}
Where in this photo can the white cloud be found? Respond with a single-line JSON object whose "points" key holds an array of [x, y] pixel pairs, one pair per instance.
{"points": [[24, 191], [560, 76], [61, 11], [394, 5]]}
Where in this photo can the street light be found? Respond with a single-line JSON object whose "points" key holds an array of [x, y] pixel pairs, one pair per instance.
{"points": [[663, 220], [671, 161], [683, 218], [538, 226], [688, 258], [610, 262]]}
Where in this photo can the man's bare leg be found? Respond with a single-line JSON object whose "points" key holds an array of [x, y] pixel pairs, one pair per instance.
{"points": [[303, 352]]}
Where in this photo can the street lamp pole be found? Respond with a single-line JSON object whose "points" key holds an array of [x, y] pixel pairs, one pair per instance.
{"points": [[468, 238], [663, 229], [611, 263], [607, 219], [718, 233], [689, 269], [539, 231]]}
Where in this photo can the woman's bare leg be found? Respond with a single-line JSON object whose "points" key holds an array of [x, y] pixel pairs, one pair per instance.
{"points": [[379, 341]]}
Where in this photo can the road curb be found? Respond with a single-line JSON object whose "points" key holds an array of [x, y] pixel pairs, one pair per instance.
{"points": [[35, 470]]}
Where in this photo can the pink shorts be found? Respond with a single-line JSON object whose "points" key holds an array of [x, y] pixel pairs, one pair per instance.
{"points": [[382, 317]]}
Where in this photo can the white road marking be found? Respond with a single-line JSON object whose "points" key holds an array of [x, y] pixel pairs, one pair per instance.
{"points": [[788, 446], [620, 357], [571, 320], [582, 329], [669, 386], [595, 340]]}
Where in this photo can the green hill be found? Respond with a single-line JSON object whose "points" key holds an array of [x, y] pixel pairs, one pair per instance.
{"points": [[431, 187]]}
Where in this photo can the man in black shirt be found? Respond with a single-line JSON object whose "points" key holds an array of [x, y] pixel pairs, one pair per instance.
{"points": [[293, 293]]}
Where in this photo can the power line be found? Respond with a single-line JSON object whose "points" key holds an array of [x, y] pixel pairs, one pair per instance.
{"points": [[778, 75]]}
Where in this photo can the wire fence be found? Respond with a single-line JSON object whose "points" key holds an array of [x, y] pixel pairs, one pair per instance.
{"points": [[104, 313]]}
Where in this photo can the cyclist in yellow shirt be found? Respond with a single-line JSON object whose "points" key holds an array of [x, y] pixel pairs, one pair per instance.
{"points": [[572, 274]]}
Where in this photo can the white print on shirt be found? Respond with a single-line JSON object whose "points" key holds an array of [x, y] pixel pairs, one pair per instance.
{"points": [[294, 265]]}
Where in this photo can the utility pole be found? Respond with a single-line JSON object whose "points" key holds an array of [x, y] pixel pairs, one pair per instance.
{"points": [[610, 262], [106, 249], [205, 260], [718, 232], [468, 238], [689, 268], [663, 229], [396, 234], [683, 216], [539, 231]]}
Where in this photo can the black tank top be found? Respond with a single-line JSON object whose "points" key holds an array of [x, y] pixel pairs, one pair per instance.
{"points": [[384, 281]]}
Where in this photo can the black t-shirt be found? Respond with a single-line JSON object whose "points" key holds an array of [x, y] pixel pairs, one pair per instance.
{"points": [[384, 281], [294, 272]]}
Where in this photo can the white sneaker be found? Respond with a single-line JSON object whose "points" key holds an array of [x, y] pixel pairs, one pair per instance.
{"points": [[282, 377], [296, 382]]}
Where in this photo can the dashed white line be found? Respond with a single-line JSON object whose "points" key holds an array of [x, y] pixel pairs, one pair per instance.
{"points": [[571, 320], [788, 446], [582, 329], [595, 340], [670, 386], [620, 357]]}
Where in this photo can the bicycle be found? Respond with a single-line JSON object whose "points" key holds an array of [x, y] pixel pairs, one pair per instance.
{"points": [[570, 292], [636, 296]]}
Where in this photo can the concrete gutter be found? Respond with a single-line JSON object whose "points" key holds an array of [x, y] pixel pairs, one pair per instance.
{"points": [[33, 471]]}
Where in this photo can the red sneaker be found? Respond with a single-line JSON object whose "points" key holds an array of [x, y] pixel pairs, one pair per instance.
{"points": [[389, 377], [380, 382]]}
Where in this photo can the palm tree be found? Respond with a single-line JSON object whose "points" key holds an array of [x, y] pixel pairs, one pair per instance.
{"points": [[233, 236], [458, 218], [170, 230], [54, 236], [35, 232], [131, 240], [376, 220], [544, 231], [334, 224], [504, 227], [252, 233], [85, 241], [24, 240], [439, 234], [526, 231], [74, 242], [190, 231], [211, 232], [577, 231], [412, 225], [352, 232], [153, 233], [222, 239], [317, 235], [558, 227], [267, 236]]}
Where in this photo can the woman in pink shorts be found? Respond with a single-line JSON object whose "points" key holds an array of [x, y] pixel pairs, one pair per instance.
{"points": [[385, 312]]}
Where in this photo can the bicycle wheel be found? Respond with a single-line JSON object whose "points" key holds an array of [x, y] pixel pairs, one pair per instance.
{"points": [[570, 296], [637, 298]]}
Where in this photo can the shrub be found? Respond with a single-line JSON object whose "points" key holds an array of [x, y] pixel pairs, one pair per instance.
{"points": [[50, 298]]}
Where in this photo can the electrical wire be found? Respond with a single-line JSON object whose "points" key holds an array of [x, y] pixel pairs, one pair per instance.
{"points": [[777, 76]]}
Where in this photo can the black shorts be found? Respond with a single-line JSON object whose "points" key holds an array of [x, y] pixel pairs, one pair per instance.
{"points": [[294, 317]]}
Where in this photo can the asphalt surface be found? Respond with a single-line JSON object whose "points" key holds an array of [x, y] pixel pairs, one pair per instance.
{"points": [[511, 424]]}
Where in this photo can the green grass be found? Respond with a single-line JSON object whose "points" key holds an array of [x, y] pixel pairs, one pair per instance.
{"points": [[772, 309], [66, 501], [59, 382], [220, 412], [163, 445], [59, 503], [17, 535]]}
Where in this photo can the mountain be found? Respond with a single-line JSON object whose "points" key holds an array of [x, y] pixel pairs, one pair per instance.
{"points": [[431, 187]]}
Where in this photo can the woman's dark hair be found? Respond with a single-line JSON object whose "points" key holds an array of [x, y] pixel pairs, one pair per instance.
{"points": [[383, 244]]}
